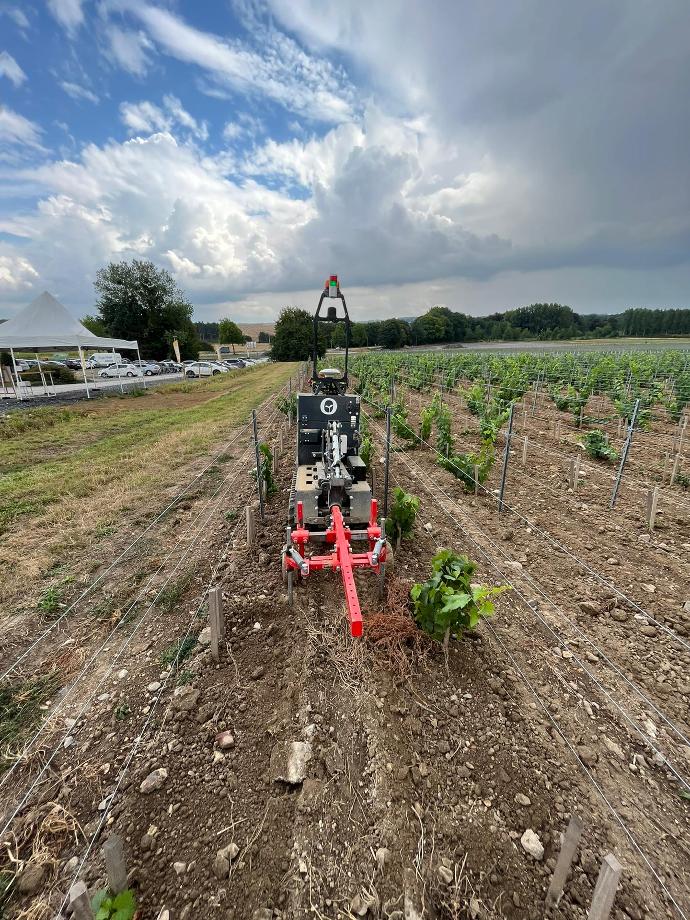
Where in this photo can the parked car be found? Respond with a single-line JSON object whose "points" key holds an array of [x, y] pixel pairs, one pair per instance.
{"points": [[121, 370], [73, 364], [170, 367], [234, 364], [149, 368], [204, 369]]}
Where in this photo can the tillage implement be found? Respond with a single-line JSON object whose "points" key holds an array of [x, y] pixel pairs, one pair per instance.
{"points": [[331, 504]]}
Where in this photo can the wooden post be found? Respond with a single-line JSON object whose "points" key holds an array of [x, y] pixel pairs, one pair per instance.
{"points": [[115, 865], [524, 451], [674, 471], [251, 526], [605, 890], [216, 621], [274, 452], [572, 473], [476, 479], [281, 442], [652, 500], [571, 841], [79, 902]]}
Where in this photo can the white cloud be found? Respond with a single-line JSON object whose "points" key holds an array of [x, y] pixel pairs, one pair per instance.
{"points": [[69, 13], [130, 49], [17, 15], [147, 118], [16, 273], [15, 129], [10, 68], [281, 70], [78, 92]]}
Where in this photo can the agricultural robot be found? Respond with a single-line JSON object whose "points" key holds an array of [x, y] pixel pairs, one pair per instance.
{"points": [[331, 503]]}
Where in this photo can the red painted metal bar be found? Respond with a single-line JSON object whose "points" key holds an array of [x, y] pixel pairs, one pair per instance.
{"points": [[342, 549]]}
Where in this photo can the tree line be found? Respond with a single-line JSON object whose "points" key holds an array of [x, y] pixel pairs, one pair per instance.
{"points": [[539, 321]]}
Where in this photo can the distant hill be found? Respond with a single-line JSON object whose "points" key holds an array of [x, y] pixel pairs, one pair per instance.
{"points": [[253, 329]]}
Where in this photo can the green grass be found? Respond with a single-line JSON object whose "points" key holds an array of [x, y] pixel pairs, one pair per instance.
{"points": [[70, 454], [20, 710]]}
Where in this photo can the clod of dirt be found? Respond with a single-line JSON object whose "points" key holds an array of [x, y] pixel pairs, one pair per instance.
{"points": [[185, 699], [590, 607], [31, 879], [154, 781], [221, 864], [532, 844], [225, 740], [289, 761]]}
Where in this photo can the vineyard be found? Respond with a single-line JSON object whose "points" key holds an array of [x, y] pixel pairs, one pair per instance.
{"points": [[180, 741]]}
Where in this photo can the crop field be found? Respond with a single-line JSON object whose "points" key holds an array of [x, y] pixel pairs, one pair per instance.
{"points": [[440, 771]]}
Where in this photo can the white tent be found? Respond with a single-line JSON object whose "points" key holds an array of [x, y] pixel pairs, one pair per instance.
{"points": [[46, 323]]}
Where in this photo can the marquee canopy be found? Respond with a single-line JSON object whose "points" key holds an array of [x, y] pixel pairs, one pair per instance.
{"points": [[46, 323]]}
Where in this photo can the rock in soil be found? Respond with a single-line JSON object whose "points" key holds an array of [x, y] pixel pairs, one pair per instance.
{"points": [[289, 761], [532, 844]]}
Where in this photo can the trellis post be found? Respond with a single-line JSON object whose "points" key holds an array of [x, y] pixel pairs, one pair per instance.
{"points": [[259, 478], [624, 455]]}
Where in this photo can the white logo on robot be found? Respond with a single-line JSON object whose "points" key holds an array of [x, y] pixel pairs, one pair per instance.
{"points": [[328, 406]]}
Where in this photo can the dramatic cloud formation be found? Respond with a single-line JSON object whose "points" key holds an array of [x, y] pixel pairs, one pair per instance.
{"points": [[475, 155]]}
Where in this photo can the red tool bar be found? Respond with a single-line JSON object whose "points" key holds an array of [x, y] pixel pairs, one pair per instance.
{"points": [[342, 551]]}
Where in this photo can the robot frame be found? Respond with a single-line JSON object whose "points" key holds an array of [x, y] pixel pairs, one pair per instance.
{"points": [[331, 502]]}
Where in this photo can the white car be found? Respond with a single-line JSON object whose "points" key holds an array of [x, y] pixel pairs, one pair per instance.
{"points": [[204, 369], [121, 370]]}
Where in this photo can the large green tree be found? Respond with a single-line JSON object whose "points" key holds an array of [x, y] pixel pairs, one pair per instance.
{"points": [[138, 300], [229, 333], [294, 336]]}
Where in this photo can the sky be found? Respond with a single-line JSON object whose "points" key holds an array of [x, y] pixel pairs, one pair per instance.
{"points": [[482, 156]]}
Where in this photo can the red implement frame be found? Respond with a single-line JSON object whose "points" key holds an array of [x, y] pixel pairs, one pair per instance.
{"points": [[342, 559]]}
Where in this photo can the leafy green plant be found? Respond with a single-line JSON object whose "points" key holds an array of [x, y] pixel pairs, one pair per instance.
{"points": [[122, 711], [107, 906], [597, 447], [448, 602], [401, 427], [288, 404], [178, 651], [444, 435], [683, 480], [402, 515], [266, 469], [426, 421], [463, 465], [475, 398], [49, 602]]}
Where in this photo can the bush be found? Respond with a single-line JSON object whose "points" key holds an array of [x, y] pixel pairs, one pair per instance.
{"points": [[447, 603], [403, 513], [597, 447]]}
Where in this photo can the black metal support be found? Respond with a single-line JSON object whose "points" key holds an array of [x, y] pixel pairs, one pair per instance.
{"points": [[506, 456], [624, 455], [259, 479], [389, 413]]}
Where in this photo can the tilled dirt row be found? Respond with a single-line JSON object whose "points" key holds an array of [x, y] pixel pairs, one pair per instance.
{"points": [[641, 788]]}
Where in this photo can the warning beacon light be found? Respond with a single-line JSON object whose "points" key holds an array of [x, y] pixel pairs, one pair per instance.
{"points": [[333, 286]]}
